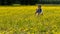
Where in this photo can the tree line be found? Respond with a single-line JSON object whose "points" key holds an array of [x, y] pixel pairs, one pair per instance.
{"points": [[22, 2], [28, 2]]}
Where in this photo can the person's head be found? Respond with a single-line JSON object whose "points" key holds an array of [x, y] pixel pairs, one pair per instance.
{"points": [[39, 6]]}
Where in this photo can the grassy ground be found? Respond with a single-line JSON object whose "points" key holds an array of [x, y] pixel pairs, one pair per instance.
{"points": [[21, 20]]}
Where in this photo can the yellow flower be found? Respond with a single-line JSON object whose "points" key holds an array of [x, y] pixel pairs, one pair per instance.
{"points": [[32, 33], [53, 31], [2, 32], [31, 28], [57, 33], [47, 33], [28, 32], [46, 24]]}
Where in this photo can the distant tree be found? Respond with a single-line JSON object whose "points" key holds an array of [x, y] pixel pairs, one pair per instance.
{"points": [[27, 2], [6, 2]]}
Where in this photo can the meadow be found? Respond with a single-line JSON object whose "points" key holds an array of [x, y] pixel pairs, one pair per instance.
{"points": [[22, 20]]}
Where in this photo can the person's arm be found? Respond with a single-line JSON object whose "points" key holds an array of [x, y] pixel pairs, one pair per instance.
{"points": [[41, 11]]}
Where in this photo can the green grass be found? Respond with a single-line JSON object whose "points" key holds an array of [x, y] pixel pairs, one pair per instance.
{"points": [[21, 20]]}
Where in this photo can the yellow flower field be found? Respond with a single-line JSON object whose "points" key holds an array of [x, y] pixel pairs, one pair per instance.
{"points": [[22, 20]]}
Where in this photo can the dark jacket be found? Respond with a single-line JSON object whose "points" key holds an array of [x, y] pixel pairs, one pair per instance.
{"points": [[39, 10]]}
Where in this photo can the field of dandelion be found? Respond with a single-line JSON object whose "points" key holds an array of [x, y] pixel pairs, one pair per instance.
{"points": [[22, 20]]}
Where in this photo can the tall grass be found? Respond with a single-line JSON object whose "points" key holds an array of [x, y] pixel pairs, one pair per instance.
{"points": [[21, 20]]}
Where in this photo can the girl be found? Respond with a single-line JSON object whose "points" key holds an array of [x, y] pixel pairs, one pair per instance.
{"points": [[39, 10]]}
